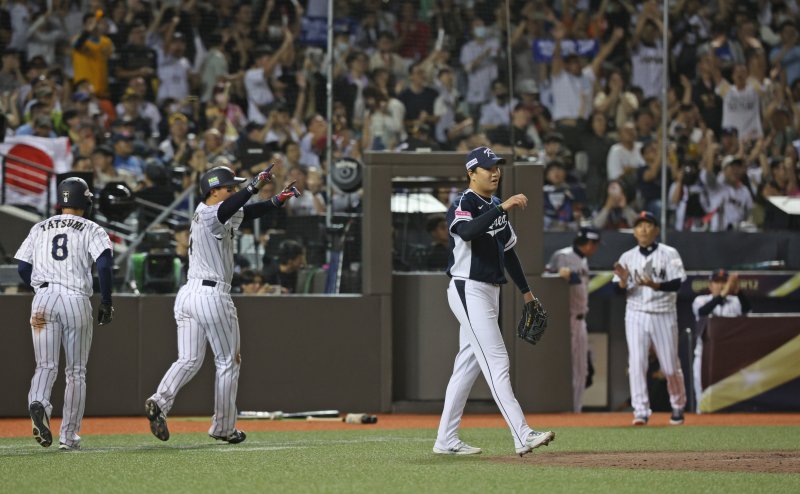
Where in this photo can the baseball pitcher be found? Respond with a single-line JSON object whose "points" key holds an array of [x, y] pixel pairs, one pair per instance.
{"points": [[56, 260]]}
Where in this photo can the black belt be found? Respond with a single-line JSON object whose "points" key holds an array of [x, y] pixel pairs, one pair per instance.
{"points": [[44, 285], [580, 317], [209, 283]]}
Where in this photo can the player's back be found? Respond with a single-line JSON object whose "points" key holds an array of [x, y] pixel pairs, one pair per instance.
{"points": [[62, 250]]}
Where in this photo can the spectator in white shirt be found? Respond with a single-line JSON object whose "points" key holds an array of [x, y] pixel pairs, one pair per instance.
{"points": [[479, 59], [257, 79], [624, 157], [498, 111], [174, 70]]}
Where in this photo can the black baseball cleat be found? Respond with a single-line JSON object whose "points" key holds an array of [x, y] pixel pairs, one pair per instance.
{"points": [[158, 422], [234, 437], [677, 417], [41, 424]]}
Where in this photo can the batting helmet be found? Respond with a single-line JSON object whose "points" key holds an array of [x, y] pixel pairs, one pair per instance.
{"points": [[74, 193], [219, 176]]}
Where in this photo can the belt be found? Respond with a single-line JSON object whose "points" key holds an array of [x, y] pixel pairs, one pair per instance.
{"points": [[44, 285], [580, 317], [209, 283]]}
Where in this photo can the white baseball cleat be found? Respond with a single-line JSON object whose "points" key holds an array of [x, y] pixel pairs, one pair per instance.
{"points": [[536, 439], [461, 448], [69, 447]]}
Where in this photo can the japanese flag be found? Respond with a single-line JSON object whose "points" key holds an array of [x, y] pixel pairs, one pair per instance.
{"points": [[26, 163]]}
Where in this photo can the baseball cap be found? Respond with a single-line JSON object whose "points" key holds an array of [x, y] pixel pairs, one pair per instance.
{"points": [[646, 216], [719, 275], [729, 131], [484, 158], [80, 97], [731, 160], [588, 233], [177, 116], [528, 86], [43, 121]]}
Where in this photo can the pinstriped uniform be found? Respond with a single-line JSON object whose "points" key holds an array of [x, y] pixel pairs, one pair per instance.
{"points": [[207, 314], [578, 307], [62, 250], [651, 318], [477, 269]]}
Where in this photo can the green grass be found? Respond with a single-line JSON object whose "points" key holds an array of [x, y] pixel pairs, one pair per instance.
{"points": [[381, 461]]}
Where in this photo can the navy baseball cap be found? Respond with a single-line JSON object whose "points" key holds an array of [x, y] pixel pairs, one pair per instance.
{"points": [[719, 275], [588, 233], [646, 216], [484, 158]]}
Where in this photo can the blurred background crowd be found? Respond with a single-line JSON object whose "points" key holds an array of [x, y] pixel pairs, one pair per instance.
{"points": [[152, 93]]}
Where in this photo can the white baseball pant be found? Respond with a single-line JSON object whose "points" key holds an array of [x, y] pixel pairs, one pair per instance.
{"points": [[61, 317], [205, 314], [660, 328], [481, 349]]}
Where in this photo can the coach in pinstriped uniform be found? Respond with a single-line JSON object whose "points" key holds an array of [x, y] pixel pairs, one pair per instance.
{"points": [[650, 275], [571, 263], [481, 252], [56, 260], [204, 310]]}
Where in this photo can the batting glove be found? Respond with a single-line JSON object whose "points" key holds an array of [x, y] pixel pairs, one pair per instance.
{"points": [[259, 180], [288, 192]]}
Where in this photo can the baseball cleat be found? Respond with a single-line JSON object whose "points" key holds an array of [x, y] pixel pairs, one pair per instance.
{"points": [[41, 424], [536, 439], [638, 420], [158, 422], [461, 448], [234, 437], [677, 417], [67, 447]]}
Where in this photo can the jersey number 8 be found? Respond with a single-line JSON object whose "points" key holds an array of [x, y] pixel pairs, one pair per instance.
{"points": [[59, 250]]}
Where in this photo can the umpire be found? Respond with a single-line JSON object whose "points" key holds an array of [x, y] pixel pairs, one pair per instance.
{"points": [[571, 263]]}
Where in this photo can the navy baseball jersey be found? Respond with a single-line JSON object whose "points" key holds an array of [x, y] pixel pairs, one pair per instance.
{"points": [[480, 259]]}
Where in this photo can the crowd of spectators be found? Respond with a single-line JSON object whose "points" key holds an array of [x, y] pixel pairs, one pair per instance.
{"points": [[153, 93]]}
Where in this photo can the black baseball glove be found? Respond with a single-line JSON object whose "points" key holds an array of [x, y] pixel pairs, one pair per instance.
{"points": [[105, 314], [533, 322]]}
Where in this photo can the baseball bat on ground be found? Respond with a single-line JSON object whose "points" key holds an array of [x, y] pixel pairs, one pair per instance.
{"points": [[350, 418], [279, 415]]}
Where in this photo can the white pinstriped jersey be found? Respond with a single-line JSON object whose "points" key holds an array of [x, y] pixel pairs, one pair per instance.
{"points": [[211, 244], [482, 258], [578, 292], [731, 308], [662, 264], [62, 249]]}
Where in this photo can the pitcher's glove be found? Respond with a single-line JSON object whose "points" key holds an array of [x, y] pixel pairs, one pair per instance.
{"points": [[105, 314], [533, 322]]}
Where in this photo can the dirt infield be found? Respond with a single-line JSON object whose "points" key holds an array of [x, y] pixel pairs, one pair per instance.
{"points": [[18, 427], [707, 461]]}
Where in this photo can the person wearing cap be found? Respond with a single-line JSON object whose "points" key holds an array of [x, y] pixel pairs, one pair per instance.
{"points": [[563, 202], [481, 255], [650, 276], [572, 264], [91, 51], [176, 145], [573, 85], [724, 299], [43, 126], [553, 149], [204, 311], [124, 158], [104, 171], [731, 197]]}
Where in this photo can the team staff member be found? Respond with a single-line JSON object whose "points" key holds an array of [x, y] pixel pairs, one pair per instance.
{"points": [[481, 246], [650, 276], [56, 260], [204, 310], [723, 300], [571, 263]]}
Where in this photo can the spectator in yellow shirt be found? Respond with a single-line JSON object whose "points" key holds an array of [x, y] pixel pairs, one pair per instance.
{"points": [[91, 50]]}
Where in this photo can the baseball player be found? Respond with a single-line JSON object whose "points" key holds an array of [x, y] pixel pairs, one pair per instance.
{"points": [[571, 263], [650, 275], [723, 300], [204, 310], [56, 260], [481, 251]]}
